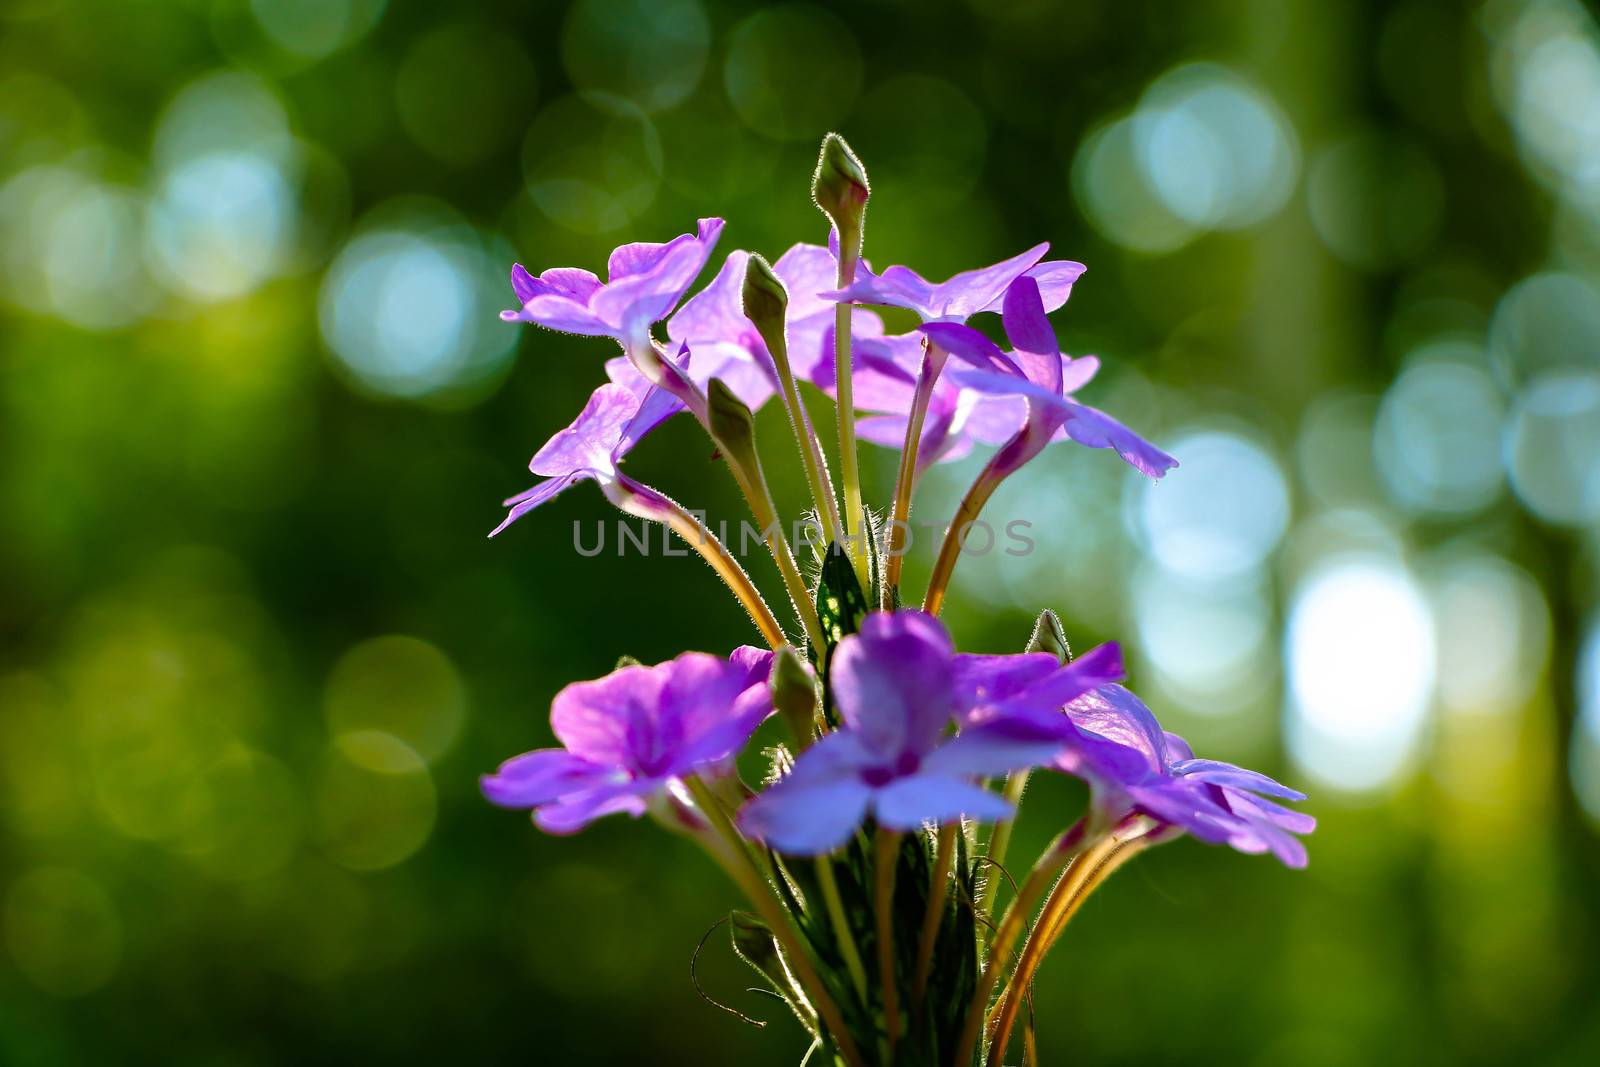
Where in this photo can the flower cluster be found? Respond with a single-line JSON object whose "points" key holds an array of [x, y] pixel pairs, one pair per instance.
{"points": [[900, 750]]}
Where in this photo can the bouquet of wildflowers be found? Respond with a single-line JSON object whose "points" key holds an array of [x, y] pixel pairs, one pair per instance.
{"points": [[873, 855]]}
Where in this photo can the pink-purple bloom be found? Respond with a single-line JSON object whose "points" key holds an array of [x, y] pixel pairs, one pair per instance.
{"points": [[644, 282], [1134, 767], [885, 383], [614, 420], [899, 686], [631, 737], [965, 294], [726, 342], [1037, 372]]}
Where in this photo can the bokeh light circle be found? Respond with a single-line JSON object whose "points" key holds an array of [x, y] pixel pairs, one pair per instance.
{"points": [[375, 802], [1552, 446], [312, 29], [220, 224], [592, 162], [409, 306], [1360, 655], [1546, 321], [69, 248], [493, 90], [930, 137], [399, 685], [1585, 757], [1437, 437], [792, 71], [1117, 196], [1208, 643], [1493, 630], [1222, 515], [1216, 148], [1375, 200], [652, 52], [62, 930]]}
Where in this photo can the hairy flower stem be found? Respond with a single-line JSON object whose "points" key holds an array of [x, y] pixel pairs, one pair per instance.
{"points": [[728, 849], [938, 893], [933, 358], [658, 507], [841, 927], [978, 495], [765, 303], [730, 426], [1000, 840], [855, 516], [747, 471], [885, 853], [1056, 856], [1082, 877]]}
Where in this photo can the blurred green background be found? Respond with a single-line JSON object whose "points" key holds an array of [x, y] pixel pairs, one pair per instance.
{"points": [[257, 414]]}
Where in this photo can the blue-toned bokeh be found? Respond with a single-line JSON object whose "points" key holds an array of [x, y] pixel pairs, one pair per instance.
{"points": [[257, 413]]}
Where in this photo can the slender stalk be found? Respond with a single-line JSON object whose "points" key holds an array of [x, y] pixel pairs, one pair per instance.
{"points": [[841, 927], [657, 507], [855, 517], [978, 495], [933, 358], [938, 893], [1087, 872], [753, 484], [886, 851], [1000, 841], [737, 863], [1056, 856]]}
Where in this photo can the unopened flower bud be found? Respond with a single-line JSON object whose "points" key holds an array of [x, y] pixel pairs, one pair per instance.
{"points": [[794, 694], [732, 423], [766, 302], [840, 190], [1048, 636]]}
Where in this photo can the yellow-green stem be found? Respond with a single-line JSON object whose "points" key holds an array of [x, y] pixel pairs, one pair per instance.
{"points": [[885, 854], [737, 863], [1000, 841], [1087, 871], [1056, 856], [932, 918], [841, 927], [906, 478], [811, 457], [983, 488], [753, 486], [753, 483], [855, 516]]}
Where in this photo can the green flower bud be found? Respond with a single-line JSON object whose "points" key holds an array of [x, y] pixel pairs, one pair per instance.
{"points": [[766, 302], [1048, 636], [732, 423], [840, 189], [794, 694]]}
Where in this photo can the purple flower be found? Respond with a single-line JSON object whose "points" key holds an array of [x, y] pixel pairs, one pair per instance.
{"points": [[644, 283], [885, 382], [965, 294], [615, 419], [1134, 767], [631, 736], [898, 686], [727, 344], [1036, 371]]}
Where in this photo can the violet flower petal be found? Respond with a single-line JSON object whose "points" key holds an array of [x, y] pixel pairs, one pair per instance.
{"points": [[806, 818], [892, 681], [906, 803]]}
